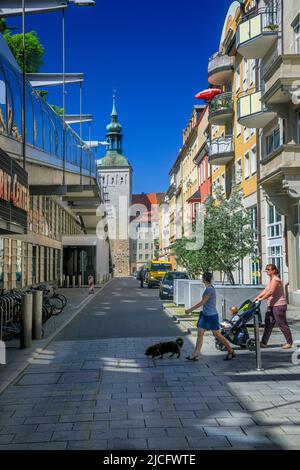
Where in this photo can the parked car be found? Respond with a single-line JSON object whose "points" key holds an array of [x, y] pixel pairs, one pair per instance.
{"points": [[166, 289]]}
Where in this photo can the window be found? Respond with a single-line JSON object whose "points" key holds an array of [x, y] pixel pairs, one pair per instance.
{"points": [[252, 72], [297, 37], [275, 257], [146, 246], [140, 246], [274, 223], [247, 166], [223, 183], [246, 134], [146, 256], [245, 77], [238, 79], [273, 141], [298, 126], [253, 161], [140, 257], [239, 173]]}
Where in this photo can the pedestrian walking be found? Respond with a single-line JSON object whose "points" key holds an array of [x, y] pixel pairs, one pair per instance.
{"points": [[140, 276], [277, 307], [208, 320], [91, 284]]}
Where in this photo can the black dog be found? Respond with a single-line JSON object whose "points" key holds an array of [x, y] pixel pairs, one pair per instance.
{"points": [[163, 348]]}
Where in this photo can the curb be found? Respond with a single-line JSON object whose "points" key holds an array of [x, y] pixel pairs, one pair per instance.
{"points": [[41, 345]]}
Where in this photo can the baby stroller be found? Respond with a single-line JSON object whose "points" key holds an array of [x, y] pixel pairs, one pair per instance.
{"points": [[237, 332]]}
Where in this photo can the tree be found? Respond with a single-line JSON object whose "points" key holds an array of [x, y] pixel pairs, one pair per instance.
{"points": [[228, 237], [34, 50]]}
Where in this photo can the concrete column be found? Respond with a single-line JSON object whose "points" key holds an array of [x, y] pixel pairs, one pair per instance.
{"points": [[67, 281], [26, 328], [79, 280], [73, 281], [37, 315]]}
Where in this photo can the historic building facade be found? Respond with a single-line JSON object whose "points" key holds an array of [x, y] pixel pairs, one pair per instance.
{"points": [[115, 177]]}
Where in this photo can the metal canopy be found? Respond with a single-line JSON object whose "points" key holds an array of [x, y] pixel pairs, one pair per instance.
{"points": [[52, 79], [77, 118], [14, 7]]}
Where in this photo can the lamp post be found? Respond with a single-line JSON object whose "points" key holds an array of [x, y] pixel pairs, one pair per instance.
{"points": [[24, 86]]}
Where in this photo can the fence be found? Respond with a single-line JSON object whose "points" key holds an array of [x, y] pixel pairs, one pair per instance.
{"points": [[188, 293]]}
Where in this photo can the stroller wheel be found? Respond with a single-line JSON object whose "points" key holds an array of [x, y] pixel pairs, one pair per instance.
{"points": [[251, 344], [219, 346]]}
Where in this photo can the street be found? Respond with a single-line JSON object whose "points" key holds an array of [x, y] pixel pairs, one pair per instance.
{"points": [[93, 387]]}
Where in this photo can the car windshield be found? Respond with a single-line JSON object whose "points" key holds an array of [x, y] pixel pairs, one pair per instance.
{"points": [[161, 267], [172, 276]]}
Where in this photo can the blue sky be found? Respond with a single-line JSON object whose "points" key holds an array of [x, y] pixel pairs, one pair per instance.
{"points": [[154, 53]]}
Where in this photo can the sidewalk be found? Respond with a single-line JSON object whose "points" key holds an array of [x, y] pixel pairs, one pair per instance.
{"points": [[106, 394], [17, 359]]}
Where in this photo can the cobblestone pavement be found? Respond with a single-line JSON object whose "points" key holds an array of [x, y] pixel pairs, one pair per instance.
{"points": [[106, 394]]}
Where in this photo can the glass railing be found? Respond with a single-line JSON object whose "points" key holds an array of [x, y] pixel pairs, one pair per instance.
{"points": [[222, 102], [44, 127]]}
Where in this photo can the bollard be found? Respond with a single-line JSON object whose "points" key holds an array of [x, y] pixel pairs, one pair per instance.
{"points": [[257, 344], [26, 321], [63, 280], [67, 282], [223, 309], [79, 280], [37, 309], [73, 281]]}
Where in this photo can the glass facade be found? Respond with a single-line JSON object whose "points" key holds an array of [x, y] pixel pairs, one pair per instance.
{"points": [[44, 128]]}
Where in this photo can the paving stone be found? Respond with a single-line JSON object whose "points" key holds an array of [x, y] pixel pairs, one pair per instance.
{"points": [[109, 434], [70, 435], [208, 442], [128, 423], [115, 415], [32, 437], [14, 447], [223, 431], [291, 429], [100, 444], [168, 443], [15, 428], [235, 422], [36, 379], [73, 418], [48, 446], [195, 431], [55, 427], [6, 438], [163, 423], [130, 444], [42, 419]]}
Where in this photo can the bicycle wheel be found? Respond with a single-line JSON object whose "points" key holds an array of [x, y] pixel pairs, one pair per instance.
{"points": [[63, 299], [57, 305], [45, 314]]}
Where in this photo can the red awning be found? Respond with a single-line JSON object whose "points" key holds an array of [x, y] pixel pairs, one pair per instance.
{"points": [[208, 94]]}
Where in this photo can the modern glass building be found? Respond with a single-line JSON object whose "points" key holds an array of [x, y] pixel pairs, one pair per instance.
{"points": [[44, 127]]}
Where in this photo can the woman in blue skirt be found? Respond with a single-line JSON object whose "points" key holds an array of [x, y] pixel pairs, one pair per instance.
{"points": [[208, 320]]}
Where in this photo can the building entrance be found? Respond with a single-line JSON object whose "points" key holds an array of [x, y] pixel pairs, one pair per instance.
{"points": [[80, 261]]}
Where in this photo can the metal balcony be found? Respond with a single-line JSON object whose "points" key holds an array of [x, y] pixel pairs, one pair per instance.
{"points": [[220, 69], [221, 109], [257, 33], [221, 150], [252, 112]]}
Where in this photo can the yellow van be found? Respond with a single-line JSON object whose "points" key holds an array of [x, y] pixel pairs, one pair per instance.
{"points": [[156, 271]]}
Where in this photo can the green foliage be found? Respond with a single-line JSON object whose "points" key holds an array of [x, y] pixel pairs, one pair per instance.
{"points": [[34, 50], [228, 238], [42, 93], [57, 109], [3, 25]]}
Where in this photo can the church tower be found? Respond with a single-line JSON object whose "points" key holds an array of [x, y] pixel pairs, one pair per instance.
{"points": [[115, 177]]}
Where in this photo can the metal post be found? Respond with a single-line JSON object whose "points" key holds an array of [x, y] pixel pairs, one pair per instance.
{"points": [[257, 344], [80, 132], [64, 98], [90, 151], [79, 280], [73, 281], [24, 86], [68, 281], [26, 329], [37, 314]]}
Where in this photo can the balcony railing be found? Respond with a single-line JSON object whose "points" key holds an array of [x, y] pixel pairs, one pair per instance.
{"points": [[221, 109], [257, 33], [252, 112], [221, 150], [220, 69]]}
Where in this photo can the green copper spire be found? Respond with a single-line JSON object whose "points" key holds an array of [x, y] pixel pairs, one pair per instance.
{"points": [[114, 136]]}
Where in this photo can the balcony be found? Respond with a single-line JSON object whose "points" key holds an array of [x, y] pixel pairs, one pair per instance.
{"points": [[257, 33], [221, 109], [221, 150], [252, 112], [220, 69]]}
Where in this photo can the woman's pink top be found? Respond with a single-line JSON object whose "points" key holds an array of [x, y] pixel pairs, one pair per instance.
{"points": [[277, 298]]}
